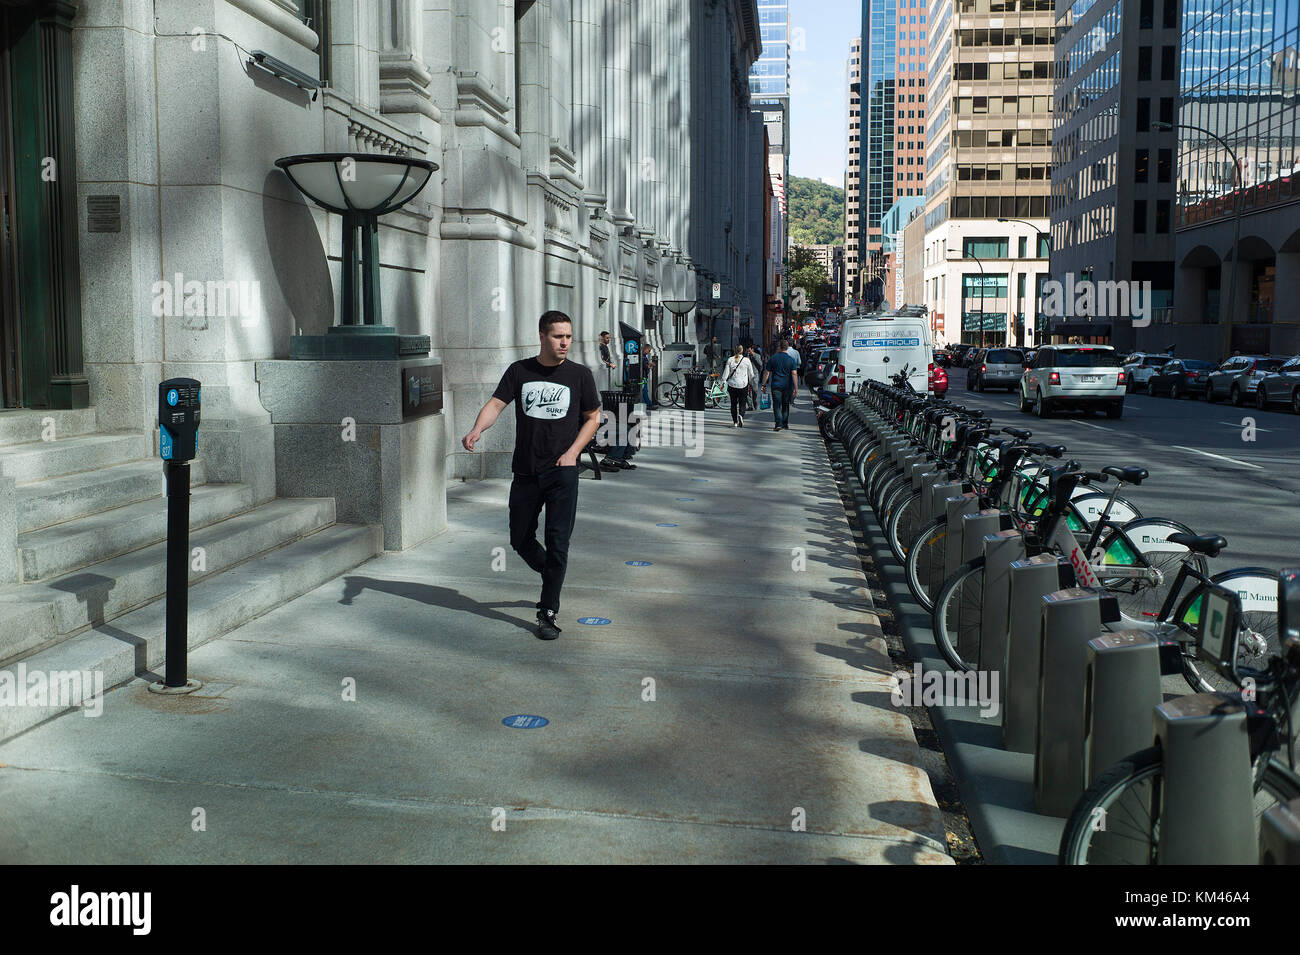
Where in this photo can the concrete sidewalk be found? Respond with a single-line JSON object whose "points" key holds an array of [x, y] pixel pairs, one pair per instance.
{"points": [[770, 684]]}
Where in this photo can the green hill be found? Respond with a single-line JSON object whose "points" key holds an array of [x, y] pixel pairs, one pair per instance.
{"points": [[816, 212]]}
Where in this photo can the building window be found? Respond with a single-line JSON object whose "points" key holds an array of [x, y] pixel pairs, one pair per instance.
{"points": [[1167, 110], [1024, 247], [1171, 14], [1143, 115], [1144, 62], [1146, 17], [1140, 164], [1162, 215], [1139, 215], [1165, 166], [1168, 57]]}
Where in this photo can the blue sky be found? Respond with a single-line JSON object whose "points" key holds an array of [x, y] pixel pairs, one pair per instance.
{"points": [[818, 107]]}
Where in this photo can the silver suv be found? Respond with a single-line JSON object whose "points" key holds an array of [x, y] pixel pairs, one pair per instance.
{"points": [[1074, 376], [1238, 377], [1140, 366]]}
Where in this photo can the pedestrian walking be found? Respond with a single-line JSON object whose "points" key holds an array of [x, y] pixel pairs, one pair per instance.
{"points": [[608, 360], [783, 372], [557, 412], [736, 376], [756, 361]]}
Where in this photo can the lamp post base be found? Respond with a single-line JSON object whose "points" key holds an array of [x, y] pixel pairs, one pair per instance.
{"points": [[358, 343]]}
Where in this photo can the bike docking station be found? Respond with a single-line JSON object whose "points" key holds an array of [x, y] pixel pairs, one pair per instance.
{"points": [[1068, 620], [1207, 801], [958, 508], [1279, 827], [1121, 688], [178, 425], [1028, 582], [1001, 550]]}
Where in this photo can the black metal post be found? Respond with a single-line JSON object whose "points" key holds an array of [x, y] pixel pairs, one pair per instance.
{"points": [[178, 566], [348, 264], [370, 270]]}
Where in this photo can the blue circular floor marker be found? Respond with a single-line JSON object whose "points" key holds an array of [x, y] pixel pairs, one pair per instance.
{"points": [[638, 563], [665, 525], [523, 722], [686, 499], [594, 621]]}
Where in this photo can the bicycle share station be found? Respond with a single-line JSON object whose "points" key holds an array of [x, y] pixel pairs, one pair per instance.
{"points": [[1004, 559]]}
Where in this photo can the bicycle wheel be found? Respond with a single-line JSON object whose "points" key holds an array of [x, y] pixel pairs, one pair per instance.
{"points": [[1116, 821], [903, 522], [885, 490], [957, 613], [925, 562], [667, 394], [1257, 634], [1143, 543]]}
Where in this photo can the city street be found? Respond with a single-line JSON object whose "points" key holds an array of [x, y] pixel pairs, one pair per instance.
{"points": [[1203, 472]]}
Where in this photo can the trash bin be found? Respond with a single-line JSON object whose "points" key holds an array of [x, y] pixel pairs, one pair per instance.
{"points": [[695, 390], [610, 402]]}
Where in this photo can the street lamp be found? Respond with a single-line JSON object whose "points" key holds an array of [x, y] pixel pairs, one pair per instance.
{"points": [[1011, 276], [680, 309], [1225, 319], [360, 187]]}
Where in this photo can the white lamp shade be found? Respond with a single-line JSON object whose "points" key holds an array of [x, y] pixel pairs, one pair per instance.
{"points": [[362, 183]]}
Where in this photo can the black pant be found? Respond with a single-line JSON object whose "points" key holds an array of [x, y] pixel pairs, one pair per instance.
{"points": [[556, 489], [739, 402]]}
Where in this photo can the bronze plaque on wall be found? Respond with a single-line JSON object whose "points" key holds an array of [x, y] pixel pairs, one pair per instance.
{"points": [[421, 391]]}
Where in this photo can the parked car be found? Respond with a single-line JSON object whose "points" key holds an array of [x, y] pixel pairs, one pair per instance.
{"points": [[1074, 376], [959, 353], [1281, 386], [938, 381], [1180, 377], [996, 368], [942, 358], [1237, 378], [819, 368], [1140, 366]]}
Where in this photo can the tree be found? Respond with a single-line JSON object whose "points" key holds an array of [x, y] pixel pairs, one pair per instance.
{"points": [[816, 212], [807, 273]]}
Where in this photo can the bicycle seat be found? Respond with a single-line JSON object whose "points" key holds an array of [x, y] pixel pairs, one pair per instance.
{"points": [[1127, 475], [1018, 433], [1047, 450], [1207, 544]]}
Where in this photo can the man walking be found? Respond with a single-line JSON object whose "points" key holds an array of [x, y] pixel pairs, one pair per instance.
{"points": [[608, 360], [783, 372], [557, 412]]}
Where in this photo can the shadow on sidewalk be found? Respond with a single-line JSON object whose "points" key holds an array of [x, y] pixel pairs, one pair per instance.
{"points": [[444, 597]]}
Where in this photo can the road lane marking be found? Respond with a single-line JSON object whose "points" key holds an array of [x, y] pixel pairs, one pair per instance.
{"points": [[1238, 424], [1244, 464], [1097, 426]]}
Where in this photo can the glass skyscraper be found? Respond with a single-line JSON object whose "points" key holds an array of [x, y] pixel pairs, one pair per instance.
{"points": [[1239, 82]]}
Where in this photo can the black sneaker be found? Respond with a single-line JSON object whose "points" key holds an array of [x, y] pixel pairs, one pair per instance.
{"points": [[546, 628]]}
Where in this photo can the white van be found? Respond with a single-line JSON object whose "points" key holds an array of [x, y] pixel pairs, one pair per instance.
{"points": [[875, 347]]}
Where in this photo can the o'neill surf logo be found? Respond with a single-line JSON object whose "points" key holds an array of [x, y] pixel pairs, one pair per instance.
{"points": [[542, 400]]}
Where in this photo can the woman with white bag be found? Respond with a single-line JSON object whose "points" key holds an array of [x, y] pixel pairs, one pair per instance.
{"points": [[736, 376]]}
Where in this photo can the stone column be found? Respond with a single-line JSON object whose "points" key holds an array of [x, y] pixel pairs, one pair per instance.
{"points": [[588, 81], [617, 37]]}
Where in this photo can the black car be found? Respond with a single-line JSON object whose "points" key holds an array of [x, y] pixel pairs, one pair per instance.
{"points": [[1180, 377], [1281, 386], [960, 353]]}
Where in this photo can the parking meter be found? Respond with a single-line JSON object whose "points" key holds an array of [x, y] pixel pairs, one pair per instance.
{"points": [[178, 419], [178, 425], [633, 365]]}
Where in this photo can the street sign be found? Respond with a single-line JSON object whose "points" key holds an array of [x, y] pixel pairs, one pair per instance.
{"points": [[717, 290]]}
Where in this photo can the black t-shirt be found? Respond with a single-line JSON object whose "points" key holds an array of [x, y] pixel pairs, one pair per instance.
{"points": [[549, 405]]}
